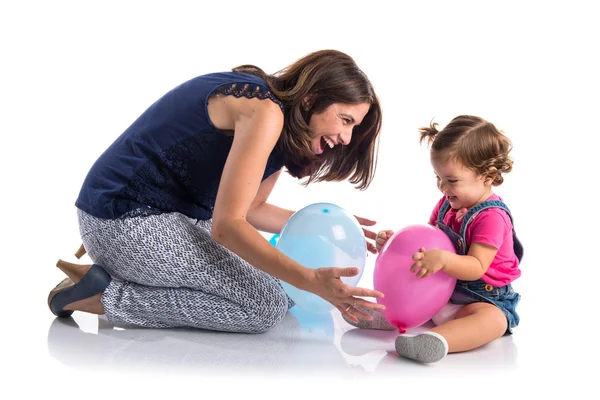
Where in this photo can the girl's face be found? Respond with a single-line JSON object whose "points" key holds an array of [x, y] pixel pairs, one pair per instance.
{"points": [[463, 187], [334, 125]]}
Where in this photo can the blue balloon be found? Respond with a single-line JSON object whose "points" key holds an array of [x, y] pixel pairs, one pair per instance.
{"points": [[322, 235], [274, 239], [314, 326]]}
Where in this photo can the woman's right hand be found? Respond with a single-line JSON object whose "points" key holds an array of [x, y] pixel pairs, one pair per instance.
{"points": [[326, 283], [382, 237]]}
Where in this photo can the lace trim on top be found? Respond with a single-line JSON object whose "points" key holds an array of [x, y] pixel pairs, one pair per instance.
{"points": [[248, 90]]}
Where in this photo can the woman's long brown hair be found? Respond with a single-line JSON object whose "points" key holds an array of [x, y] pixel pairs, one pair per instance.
{"points": [[309, 86]]}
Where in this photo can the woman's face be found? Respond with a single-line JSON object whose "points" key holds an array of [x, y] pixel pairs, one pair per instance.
{"points": [[334, 125]]}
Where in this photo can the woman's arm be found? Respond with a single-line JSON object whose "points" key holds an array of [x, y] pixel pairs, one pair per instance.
{"points": [[264, 216], [257, 126]]}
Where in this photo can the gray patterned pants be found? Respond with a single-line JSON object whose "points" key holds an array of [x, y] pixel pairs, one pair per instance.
{"points": [[169, 272]]}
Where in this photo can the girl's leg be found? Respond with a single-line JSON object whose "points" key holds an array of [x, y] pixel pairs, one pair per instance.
{"points": [[168, 272], [475, 324]]}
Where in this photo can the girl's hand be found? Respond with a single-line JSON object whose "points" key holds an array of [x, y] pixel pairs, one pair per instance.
{"points": [[383, 237], [368, 233], [428, 262], [326, 283]]}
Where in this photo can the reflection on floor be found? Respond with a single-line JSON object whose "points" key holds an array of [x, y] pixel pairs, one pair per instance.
{"points": [[313, 344]]}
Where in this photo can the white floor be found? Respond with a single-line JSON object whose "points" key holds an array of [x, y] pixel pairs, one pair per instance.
{"points": [[75, 75], [304, 355], [302, 343]]}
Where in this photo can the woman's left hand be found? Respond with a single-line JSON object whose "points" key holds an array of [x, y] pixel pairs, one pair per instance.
{"points": [[369, 234]]}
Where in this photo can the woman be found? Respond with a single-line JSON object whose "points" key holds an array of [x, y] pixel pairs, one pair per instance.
{"points": [[171, 212]]}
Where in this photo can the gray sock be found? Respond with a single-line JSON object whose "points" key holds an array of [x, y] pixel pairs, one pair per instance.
{"points": [[378, 322], [426, 347]]}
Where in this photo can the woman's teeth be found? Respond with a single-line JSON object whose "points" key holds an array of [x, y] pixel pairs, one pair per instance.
{"points": [[328, 141]]}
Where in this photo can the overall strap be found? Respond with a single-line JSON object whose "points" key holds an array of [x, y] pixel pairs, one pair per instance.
{"points": [[517, 246], [477, 209], [443, 210]]}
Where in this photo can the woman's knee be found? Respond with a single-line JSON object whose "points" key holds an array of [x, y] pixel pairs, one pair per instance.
{"points": [[268, 313]]}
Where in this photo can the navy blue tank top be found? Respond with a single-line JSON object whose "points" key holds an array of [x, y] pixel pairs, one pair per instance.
{"points": [[172, 157]]}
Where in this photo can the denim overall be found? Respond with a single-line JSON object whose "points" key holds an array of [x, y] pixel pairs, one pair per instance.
{"points": [[467, 292]]}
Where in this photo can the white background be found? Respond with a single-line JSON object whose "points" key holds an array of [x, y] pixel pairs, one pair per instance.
{"points": [[75, 74]]}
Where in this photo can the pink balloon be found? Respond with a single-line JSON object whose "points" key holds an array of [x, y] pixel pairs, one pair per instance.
{"points": [[411, 301]]}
